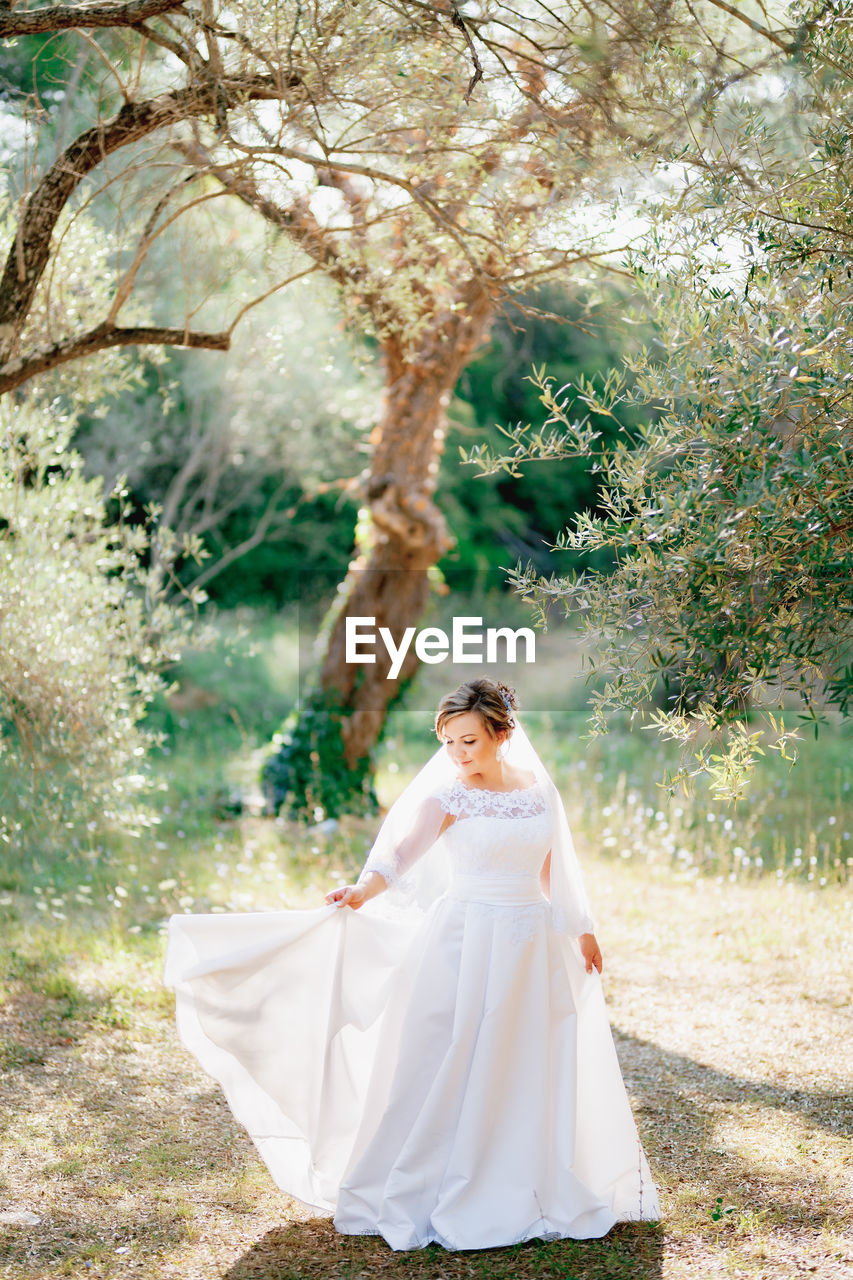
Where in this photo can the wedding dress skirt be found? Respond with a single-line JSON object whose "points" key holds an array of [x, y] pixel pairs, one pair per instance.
{"points": [[454, 1082]]}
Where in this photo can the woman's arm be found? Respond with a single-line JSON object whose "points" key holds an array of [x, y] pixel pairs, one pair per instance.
{"points": [[590, 950], [433, 822]]}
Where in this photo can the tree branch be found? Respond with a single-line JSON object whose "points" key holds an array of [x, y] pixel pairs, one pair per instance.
{"points": [[299, 223], [15, 372], [188, 55], [150, 233], [459, 22], [60, 17], [202, 447], [272, 517], [754, 26], [296, 219], [421, 197], [30, 252]]}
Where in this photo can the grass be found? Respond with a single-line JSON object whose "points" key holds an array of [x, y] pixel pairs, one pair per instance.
{"points": [[730, 1004], [727, 981]]}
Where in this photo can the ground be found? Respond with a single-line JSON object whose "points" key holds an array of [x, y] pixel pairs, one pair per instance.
{"points": [[731, 1008]]}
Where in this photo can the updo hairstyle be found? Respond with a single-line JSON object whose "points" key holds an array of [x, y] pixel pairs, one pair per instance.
{"points": [[494, 701]]}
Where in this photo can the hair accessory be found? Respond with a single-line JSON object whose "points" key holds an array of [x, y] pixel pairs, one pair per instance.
{"points": [[507, 701]]}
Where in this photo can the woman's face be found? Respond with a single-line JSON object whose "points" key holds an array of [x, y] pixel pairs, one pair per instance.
{"points": [[469, 744]]}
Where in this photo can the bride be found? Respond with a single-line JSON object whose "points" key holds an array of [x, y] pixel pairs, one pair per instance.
{"points": [[428, 1056]]}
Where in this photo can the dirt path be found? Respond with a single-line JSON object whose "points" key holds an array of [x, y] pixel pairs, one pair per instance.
{"points": [[731, 1007]]}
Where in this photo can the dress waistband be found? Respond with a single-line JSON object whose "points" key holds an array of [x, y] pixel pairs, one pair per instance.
{"points": [[518, 891]]}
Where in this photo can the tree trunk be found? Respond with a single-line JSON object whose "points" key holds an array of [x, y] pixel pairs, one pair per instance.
{"points": [[388, 581]]}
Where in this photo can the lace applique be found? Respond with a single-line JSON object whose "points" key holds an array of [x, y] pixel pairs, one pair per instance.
{"points": [[477, 802], [520, 923], [385, 869]]}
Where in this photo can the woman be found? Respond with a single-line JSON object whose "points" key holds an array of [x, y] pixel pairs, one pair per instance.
{"points": [[429, 1055]]}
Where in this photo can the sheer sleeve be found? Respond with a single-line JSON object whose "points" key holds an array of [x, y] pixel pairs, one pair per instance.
{"points": [[569, 901], [400, 845]]}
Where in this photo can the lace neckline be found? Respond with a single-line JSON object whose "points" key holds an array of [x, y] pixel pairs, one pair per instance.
{"points": [[482, 802], [488, 791]]}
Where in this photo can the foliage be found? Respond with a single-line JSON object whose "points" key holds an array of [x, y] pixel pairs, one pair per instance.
{"points": [[253, 454], [579, 335], [308, 776], [362, 137], [37, 70], [731, 517], [282, 434], [83, 633], [78, 283]]}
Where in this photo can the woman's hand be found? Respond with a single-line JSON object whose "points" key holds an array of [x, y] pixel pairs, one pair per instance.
{"points": [[349, 895], [591, 952], [355, 895]]}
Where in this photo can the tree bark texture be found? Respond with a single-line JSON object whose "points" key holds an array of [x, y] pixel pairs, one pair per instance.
{"points": [[60, 17], [409, 533]]}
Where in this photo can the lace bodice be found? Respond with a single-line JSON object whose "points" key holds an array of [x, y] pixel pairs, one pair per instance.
{"points": [[497, 832], [492, 852], [501, 833]]}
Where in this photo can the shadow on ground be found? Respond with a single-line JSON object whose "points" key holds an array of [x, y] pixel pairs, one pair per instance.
{"points": [[679, 1103], [687, 1083], [313, 1249], [134, 1159]]}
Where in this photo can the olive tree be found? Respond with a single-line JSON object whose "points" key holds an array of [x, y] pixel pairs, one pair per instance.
{"points": [[85, 633], [730, 519], [431, 159]]}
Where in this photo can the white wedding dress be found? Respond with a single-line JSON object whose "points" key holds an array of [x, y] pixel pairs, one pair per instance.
{"points": [[452, 1080]]}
